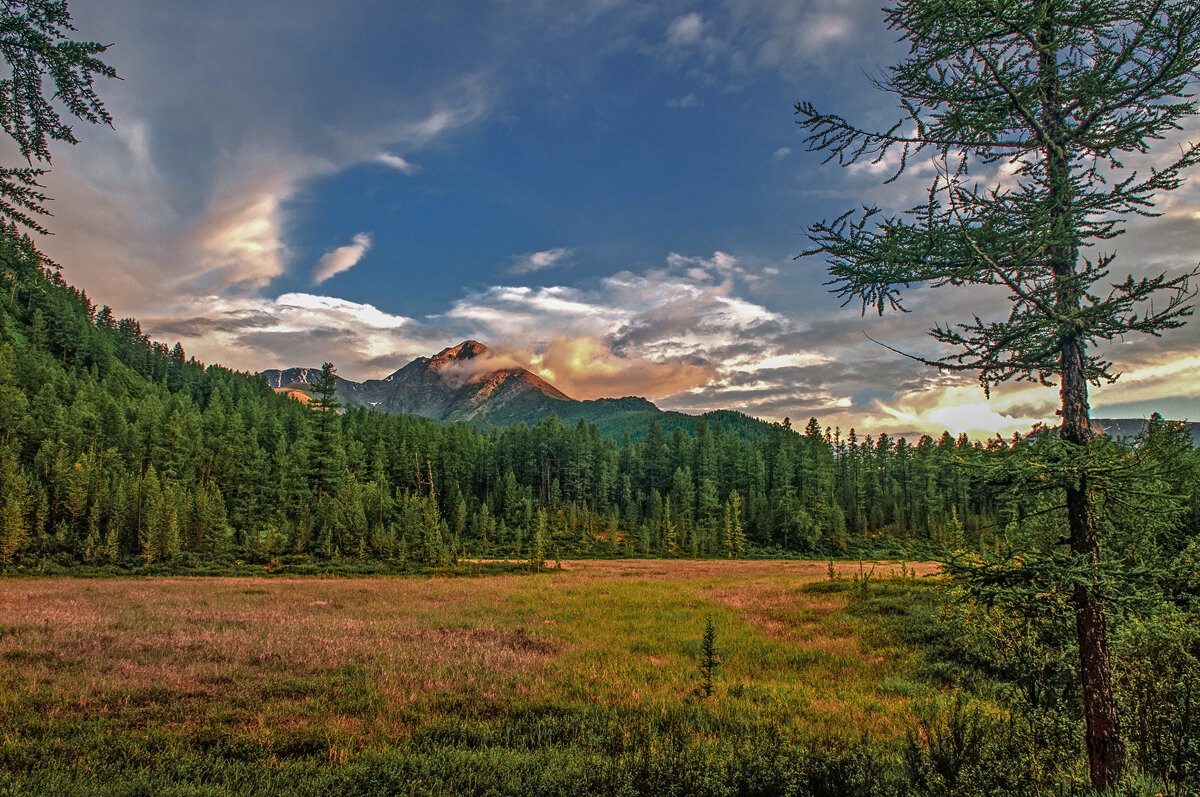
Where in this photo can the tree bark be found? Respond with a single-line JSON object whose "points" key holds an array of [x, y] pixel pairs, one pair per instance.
{"points": [[1105, 746]]}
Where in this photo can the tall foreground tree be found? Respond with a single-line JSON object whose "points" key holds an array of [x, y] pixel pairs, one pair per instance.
{"points": [[1028, 109]]}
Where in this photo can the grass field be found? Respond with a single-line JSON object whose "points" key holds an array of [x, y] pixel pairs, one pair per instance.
{"points": [[578, 680]]}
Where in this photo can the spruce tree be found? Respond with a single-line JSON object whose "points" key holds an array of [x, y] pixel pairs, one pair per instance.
{"points": [[325, 405], [709, 662], [1057, 93]]}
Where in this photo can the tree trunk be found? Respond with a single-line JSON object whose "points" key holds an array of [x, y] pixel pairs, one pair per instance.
{"points": [[1105, 747]]}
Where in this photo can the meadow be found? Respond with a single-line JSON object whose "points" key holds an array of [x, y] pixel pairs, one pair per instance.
{"points": [[584, 680]]}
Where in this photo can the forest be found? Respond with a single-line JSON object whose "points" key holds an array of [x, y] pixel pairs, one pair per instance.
{"points": [[120, 451]]}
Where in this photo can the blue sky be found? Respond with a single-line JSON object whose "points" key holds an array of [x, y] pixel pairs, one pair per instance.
{"points": [[607, 191]]}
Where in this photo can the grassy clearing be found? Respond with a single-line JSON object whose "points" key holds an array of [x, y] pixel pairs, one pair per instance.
{"points": [[246, 684]]}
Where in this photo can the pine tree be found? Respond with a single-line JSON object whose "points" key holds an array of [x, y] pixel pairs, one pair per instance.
{"points": [[739, 533], [431, 531], [1058, 92]]}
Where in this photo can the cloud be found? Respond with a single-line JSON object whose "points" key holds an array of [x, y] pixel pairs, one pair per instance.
{"points": [[685, 30], [686, 101], [720, 266], [660, 332], [342, 259], [678, 334], [537, 261], [776, 34], [588, 367], [781, 153], [238, 244], [196, 192], [293, 329], [396, 162], [962, 409], [498, 357]]}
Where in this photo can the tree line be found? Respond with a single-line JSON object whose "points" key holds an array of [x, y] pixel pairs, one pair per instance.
{"points": [[118, 449]]}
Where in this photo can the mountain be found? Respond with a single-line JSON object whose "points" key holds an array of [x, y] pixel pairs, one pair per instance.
{"points": [[456, 384], [460, 384]]}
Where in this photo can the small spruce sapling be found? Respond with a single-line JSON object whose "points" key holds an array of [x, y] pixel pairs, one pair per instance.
{"points": [[709, 662]]}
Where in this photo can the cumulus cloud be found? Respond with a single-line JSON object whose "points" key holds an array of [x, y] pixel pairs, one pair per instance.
{"points": [[963, 408], [781, 154], [294, 329], [721, 266], [657, 333], [680, 335], [537, 261], [342, 259], [498, 357]]}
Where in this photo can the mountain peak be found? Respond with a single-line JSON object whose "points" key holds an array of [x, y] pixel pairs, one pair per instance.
{"points": [[466, 350], [461, 383]]}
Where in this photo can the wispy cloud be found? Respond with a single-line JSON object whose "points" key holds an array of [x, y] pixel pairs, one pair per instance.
{"points": [[781, 154], [684, 102], [537, 261], [342, 259], [396, 162], [685, 30]]}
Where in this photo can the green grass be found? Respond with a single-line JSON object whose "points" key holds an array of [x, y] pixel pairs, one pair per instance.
{"points": [[584, 681]]}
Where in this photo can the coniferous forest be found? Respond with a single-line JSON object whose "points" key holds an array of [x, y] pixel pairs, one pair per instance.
{"points": [[121, 451]]}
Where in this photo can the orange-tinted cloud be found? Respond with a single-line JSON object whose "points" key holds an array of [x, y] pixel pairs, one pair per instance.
{"points": [[587, 367]]}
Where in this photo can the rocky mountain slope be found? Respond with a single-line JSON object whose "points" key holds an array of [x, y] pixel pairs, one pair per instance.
{"points": [[456, 384]]}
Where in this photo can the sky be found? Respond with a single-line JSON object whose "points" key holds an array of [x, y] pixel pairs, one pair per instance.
{"points": [[610, 192]]}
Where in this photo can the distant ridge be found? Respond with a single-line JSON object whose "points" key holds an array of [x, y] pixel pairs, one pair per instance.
{"points": [[1124, 428]]}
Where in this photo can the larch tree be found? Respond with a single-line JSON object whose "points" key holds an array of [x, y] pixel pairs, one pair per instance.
{"points": [[36, 45], [1032, 112]]}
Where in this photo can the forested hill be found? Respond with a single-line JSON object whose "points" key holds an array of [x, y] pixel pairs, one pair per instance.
{"points": [[115, 449]]}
